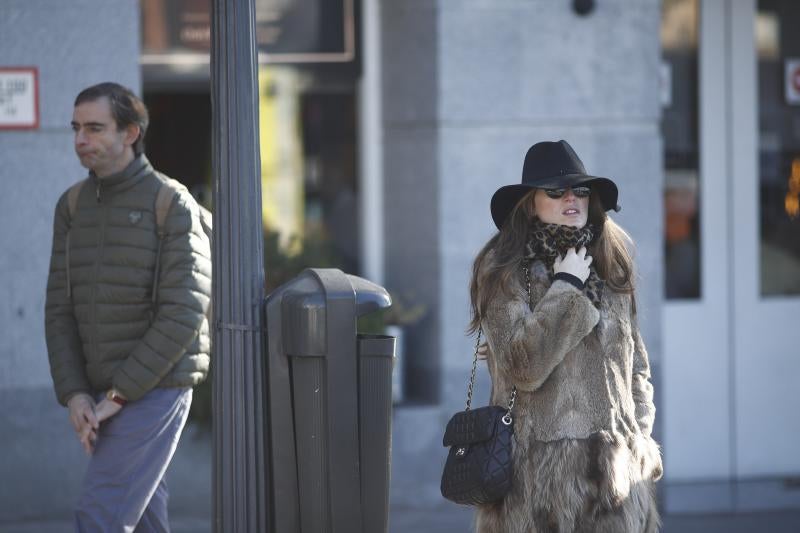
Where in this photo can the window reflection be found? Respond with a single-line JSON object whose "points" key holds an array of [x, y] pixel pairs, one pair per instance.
{"points": [[779, 145], [306, 115], [679, 127]]}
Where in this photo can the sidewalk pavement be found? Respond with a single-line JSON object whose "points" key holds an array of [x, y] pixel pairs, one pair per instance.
{"points": [[452, 519], [190, 510]]}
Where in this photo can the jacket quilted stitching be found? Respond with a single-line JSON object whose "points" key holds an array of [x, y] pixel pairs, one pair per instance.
{"points": [[104, 331]]}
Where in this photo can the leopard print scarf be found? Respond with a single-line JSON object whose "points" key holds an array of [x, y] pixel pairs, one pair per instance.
{"points": [[546, 241]]}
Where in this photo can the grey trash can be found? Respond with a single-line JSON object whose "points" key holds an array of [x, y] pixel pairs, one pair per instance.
{"points": [[329, 406], [375, 363]]}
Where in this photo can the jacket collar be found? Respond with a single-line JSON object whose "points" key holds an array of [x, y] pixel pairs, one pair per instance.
{"points": [[125, 179]]}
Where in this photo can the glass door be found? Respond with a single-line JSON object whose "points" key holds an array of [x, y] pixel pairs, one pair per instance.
{"points": [[765, 171], [697, 360], [732, 235]]}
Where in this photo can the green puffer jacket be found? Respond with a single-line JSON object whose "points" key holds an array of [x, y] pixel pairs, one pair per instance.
{"points": [[100, 323]]}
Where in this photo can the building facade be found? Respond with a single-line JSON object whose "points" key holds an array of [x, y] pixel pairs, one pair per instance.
{"points": [[380, 153]]}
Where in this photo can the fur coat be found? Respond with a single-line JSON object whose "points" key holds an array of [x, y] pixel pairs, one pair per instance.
{"points": [[584, 459]]}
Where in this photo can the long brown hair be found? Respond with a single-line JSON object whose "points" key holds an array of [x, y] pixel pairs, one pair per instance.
{"points": [[610, 251]]}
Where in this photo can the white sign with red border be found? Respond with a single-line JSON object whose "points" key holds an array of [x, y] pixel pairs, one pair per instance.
{"points": [[19, 98], [792, 81]]}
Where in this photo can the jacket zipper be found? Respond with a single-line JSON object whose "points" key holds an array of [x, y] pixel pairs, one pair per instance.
{"points": [[98, 260]]}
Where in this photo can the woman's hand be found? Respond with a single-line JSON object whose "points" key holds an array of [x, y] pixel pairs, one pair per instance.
{"points": [[575, 263]]}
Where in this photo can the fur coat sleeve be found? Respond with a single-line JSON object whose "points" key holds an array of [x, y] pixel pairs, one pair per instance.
{"points": [[531, 343], [642, 389]]}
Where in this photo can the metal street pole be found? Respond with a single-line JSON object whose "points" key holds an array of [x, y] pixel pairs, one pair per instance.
{"points": [[240, 461]]}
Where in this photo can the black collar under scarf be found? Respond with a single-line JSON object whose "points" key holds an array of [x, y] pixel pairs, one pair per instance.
{"points": [[546, 241]]}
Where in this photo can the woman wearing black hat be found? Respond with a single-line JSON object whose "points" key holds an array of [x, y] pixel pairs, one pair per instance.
{"points": [[553, 294]]}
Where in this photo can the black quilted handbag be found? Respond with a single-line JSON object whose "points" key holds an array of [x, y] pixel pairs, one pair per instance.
{"points": [[479, 464]]}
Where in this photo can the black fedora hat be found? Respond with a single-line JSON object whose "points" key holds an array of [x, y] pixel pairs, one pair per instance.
{"points": [[551, 165]]}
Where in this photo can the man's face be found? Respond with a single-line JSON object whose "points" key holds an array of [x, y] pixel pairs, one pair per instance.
{"points": [[100, 145]]}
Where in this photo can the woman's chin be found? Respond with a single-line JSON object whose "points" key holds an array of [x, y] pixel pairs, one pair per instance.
{"points": [[574, 223]]}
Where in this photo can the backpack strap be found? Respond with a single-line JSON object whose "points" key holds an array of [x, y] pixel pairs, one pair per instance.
{"points": [[164, 197], [72, 197], [166, 193], [72, 205]]}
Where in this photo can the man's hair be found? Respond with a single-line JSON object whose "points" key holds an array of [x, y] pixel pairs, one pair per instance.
{"points": [[126, 108]]}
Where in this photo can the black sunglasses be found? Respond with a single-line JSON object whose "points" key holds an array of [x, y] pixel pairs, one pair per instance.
{"points": [[579, 192]]}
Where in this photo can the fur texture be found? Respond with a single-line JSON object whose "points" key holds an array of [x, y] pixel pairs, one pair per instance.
{"points": [[584, 458]]}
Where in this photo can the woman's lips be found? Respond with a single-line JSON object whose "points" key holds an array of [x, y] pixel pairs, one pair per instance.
{"points": [[570, 212]]}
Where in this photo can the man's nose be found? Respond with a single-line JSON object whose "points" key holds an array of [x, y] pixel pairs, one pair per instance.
{"points": [[80, 137]]}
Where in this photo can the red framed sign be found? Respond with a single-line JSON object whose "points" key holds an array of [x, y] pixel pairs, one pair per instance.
{"points": [[19, 98]]}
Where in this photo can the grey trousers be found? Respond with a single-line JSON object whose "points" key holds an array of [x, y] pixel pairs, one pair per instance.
{"points": [[124, 489]]}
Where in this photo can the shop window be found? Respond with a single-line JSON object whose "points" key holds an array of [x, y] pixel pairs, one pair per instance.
{"points": [[679, 127], [778, 45]]}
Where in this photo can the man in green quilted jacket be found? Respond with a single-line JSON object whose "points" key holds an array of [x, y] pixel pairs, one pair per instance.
{"points": [[125, 314]]}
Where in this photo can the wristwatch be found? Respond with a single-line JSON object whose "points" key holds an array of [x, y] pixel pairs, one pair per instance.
{"points": [[115, 397]]}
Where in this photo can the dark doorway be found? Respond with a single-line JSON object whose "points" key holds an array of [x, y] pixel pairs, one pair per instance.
{"points": [[178, 141]]}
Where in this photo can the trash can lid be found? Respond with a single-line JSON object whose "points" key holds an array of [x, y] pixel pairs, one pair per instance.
{"points": [[370, 297]]}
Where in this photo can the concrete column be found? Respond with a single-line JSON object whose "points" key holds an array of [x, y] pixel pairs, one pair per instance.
{"points": [[411, 177], [370, 142]]}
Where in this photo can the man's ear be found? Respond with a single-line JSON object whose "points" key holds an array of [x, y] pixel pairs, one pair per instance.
{"points": [[131, 134]]}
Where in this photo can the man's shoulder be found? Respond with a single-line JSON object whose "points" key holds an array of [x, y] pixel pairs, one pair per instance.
{"points": [[174, 203], [168, 186], [68, 200]]}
